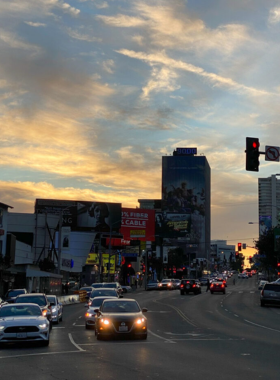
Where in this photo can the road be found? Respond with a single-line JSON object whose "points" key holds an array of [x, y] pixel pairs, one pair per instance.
{"points": [[190, 337]]}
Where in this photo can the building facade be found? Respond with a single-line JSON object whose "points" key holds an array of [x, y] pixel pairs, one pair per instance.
{"points": [[269, 203]]}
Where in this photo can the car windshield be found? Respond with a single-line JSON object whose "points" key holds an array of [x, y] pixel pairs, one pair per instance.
{"points": [[103, 292], [51, 300], [164, 281], [120, 307], [97, 302], [272, 287], [39, 300], [96, 286], [87, 289], [20, 310], [110, 285], [14, 293]]}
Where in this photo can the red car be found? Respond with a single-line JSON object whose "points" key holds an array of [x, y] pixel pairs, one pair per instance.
{"points": [[218, 287]]}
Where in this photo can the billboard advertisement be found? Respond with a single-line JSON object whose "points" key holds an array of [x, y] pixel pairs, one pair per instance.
{"points": [[83, 215], [185, 199], [138, 224], [265, 224]]}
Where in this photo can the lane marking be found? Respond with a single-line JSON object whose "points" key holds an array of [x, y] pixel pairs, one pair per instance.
{"points": [[160, 337], [237, 316], [39, 354], [75, 344], [264, 327]]}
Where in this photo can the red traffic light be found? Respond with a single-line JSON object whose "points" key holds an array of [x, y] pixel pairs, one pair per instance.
{"points": [[256, 144], [129, 265], [278, 264], [239, 246]]}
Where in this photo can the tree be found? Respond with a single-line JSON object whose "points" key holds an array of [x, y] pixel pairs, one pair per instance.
{"points": [[267, 257]]}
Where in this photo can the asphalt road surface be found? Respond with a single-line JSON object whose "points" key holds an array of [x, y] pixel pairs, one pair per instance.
{"points": [[190, 337]]}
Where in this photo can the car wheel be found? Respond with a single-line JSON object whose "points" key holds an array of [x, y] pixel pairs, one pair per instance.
{"points": [[86, 326], [262, 303], [124, 290], [182, 293], [224, 292], [212, 292], [61, 318], [99, 337], [144, 336]]}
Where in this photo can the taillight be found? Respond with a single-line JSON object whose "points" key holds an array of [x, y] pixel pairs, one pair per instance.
{"points": [[211, 286], [262, 292], [188, 282], [194, 286], [181, 286], [223, 285]]}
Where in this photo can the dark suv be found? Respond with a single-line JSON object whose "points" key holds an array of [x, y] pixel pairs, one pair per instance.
{"points": [[270, 294], [190, 286]]}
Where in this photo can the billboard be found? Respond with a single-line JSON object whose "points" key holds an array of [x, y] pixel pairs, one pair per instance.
{"points": [[83, 215], [185, 200], [138, 224]]}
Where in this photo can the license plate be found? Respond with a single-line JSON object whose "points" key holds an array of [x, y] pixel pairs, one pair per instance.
{"points": [[21, 335], [123, 328], [188, 286]]}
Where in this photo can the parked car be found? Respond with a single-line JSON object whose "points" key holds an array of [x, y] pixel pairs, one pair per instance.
{"points": [[261, 284], [166, 284], [12, 294], [270, 294], [23, 322], [189, 286], [56, 308], [91, 312], [121, 318], [217, 287], [40, 299], [152, 285], [2, 302]]}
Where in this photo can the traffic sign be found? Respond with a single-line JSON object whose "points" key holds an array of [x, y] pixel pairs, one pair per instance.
{"points": [[272, 153]]}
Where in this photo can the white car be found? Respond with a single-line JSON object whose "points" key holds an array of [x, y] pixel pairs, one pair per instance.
{"points": [[56, 308], [23, 322], [90, 314]]}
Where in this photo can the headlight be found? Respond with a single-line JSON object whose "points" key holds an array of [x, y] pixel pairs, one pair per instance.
{"points": [[105, 321], [2, 328], [54, 310], [89, 315], [43, 326], [44, 312], [140, 321]]}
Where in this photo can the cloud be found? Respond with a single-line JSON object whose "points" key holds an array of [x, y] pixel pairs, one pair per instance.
{"points": [[274, 16], [215, 79], [108, 66], [162, 80], [83, 37], [11, 40], [35, 24], [67, 8], [122, 21]]}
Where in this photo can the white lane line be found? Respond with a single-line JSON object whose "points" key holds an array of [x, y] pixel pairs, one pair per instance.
{"points": [[252, 292], [226, 309], [237, 316], [74, 323], [75, 344], [39, 354], [58, 328], [263, 327], [240, 292], [79, 325], [160, 337]]}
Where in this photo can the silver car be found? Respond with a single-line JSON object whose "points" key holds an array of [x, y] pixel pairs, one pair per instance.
{"points": [[23, 322], [153, 285], [90, 314], [56, 308], [270, 294]]}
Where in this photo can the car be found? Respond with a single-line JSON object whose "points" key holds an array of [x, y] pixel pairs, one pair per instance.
{"points": [[115, 285], [270, 294], [121, 318], [126, 288], [104, 292], [261, 284], [12, 294], [152, 285], [2, 302], [217, 287], [189, 286], [276, 281], [56, 308], [177, 283], [203, 281], [221, 279], [23, 322], [166, 284], [91, 313], [38, 298]]}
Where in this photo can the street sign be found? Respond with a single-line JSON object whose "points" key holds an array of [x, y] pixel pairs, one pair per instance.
{"points": [[272, 153]]}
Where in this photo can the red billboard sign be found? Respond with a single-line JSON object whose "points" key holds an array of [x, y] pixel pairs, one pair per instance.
{"points": [[138, 224]]}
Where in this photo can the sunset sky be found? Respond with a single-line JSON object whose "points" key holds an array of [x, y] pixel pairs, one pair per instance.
{"points": [[94, 93]]}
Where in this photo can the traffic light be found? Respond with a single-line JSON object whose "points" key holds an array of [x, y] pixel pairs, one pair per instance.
{"points": [[252, 154], [239, 246]]}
